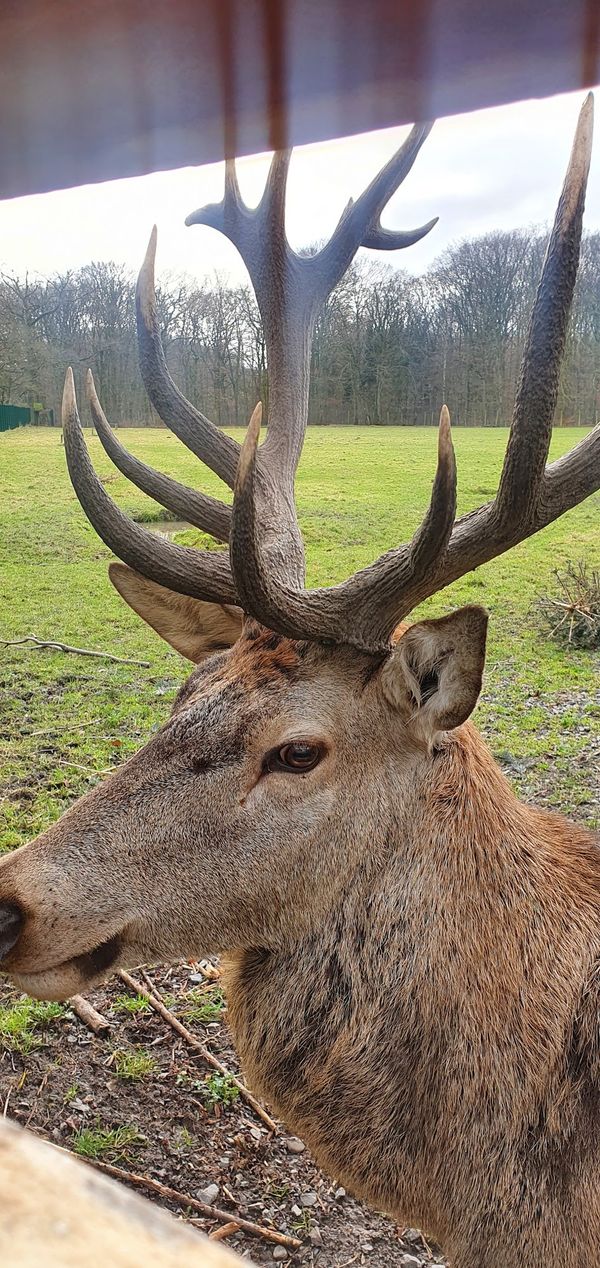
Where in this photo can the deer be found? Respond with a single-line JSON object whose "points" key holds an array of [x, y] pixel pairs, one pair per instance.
{"points": [[411, 956]]}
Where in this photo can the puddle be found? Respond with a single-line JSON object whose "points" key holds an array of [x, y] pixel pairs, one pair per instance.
{"points": [[166, 528]]}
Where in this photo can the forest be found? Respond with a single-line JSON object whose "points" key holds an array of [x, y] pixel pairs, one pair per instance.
{"points": [[388, 349]]}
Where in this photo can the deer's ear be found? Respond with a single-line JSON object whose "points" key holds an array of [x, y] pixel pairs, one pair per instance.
{"points": [[433, 676], [195, 629]]}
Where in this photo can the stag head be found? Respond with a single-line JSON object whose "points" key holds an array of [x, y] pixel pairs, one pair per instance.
{"points": [[300, 749]]}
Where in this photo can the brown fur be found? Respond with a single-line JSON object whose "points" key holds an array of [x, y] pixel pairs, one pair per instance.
{"points": [[411, 955]]}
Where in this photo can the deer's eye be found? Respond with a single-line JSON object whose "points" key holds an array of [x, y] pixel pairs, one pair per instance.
{"points": [[298, 757]]}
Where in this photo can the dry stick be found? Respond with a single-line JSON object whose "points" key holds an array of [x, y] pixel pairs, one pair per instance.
{"points": [[88, 1015], [226, 1230], [184, 1199], [186, 1034], [65, 647]]}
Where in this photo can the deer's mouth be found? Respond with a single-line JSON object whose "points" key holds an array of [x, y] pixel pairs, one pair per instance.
{"points": [[60, 981]]}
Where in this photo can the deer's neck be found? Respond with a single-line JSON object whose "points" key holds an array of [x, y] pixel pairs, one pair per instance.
{"points": [[445, 987]]}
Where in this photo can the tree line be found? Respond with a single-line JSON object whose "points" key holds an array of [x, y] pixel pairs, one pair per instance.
{"points": [[388, 349]]}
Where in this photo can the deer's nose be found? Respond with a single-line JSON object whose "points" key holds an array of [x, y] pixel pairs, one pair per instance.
{"points": [[11, 922]]}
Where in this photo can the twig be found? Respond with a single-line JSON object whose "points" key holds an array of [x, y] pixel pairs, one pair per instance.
{"points": [[185, 1200], [255, 1230], [90, 770], [77, 726], [161, 1008], [88, 1015], [208, 971], [226, 1230], [65, 647], [38, 1093]]}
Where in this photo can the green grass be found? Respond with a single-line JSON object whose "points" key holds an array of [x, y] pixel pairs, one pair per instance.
{"points": [[109, 1144], [65, 719], [131, 1004], [22, 1024], [204, 1005], [133, 1064]]}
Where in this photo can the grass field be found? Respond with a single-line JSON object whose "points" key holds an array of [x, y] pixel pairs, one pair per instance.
{"points": [[64, 719]]}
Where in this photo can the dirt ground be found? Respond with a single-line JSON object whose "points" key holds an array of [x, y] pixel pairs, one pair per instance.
{"points": [[140, 1098]]}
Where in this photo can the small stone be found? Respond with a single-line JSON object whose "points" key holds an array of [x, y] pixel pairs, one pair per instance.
{"points": [[366, 1246], [255, 1133], [296, 1210], [197, 978], [316, 1236], [209, 1194], [280, 1253], [225, 1160], [410, 1261], [308, 1199], [295, 1145], [339, 1194], [79, 1106]]}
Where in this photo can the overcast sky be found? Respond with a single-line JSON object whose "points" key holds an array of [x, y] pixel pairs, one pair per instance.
{"points": [[496, 169]]}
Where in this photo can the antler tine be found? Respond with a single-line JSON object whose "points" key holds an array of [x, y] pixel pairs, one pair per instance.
{"points": [[359, 223], [201, 574], [272, 203], [364, 610], [246, 227], [206, 513], [207, 442], [531, 431]]}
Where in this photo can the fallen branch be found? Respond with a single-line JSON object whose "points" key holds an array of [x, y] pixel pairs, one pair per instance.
{"points": [[65, 647], [185, 1200], [178, 1026], [88, 1015]]}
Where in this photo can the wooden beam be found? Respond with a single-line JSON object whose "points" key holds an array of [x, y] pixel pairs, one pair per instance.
{"points": [[60, 1213], [97, 89]]}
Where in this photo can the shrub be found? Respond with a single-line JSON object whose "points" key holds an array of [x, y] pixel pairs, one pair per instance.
{"points": [[572, 617]]}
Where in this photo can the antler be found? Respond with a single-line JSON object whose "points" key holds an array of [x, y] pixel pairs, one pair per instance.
{"points": [[267, 558], [289, 289], [365, 609]]}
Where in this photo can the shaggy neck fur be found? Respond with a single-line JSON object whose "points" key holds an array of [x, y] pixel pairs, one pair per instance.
{"points": [[434, 1029]]}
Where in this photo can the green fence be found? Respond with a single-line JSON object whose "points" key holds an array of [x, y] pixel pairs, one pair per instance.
{"points": [[14, 416]]}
